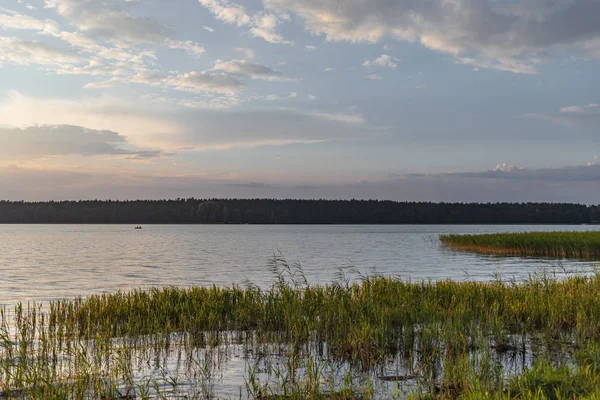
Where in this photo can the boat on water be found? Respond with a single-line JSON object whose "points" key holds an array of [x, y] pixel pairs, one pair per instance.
{"points": [[138, 227]]}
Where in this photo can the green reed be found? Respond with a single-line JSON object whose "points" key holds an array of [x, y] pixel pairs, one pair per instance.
{"points": [[441, 339], [580, 245]]}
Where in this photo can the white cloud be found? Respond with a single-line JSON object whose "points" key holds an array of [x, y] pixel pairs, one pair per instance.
{"points": [[87, 53], [504, 167], [108, 19], [194, 82], [264, 26], [12, 20], [383, 61], [103, 113], [250, 69], [216, 101], [165, 126], [514, 36], [261, 24], [581, 110], [61, 140], [16, 51], [249, 53], [373, 75], [208, 28], [587, 116], [228, 12], [100, 19], [201, 81], [190, 47], [276, 97], [225, 77], [587, 173], [346, 118]]}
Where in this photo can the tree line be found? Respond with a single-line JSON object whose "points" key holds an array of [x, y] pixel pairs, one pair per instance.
{"points": [[271, 211]]}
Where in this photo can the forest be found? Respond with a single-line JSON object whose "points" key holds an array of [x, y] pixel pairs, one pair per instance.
{"points": [[271, 211]]}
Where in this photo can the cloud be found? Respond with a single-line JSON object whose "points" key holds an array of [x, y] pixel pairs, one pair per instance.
{"points": [[106, 19], [109, 41], [250, 70], [192, 48], [511, 36], [249, 53], [82, 57], [16, 51], [194, 82], [208, 101], [224, 78], [239, 129], [383, 61], [202, 81], [587, 173], [264, 26], [12, 20], [275, 97], [105, 113], [261, 24], [504, 167], [373, 75], [61, 140], [587, 116], [30, 184], [228, 12], [346, 118], [157, 125], [109, 19]]}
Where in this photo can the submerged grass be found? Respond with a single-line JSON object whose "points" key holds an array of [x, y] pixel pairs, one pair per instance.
{"points": [[580, 245], [378, 337]]}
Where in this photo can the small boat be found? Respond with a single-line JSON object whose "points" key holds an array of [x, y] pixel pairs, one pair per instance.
{"points": [[138, 227]]}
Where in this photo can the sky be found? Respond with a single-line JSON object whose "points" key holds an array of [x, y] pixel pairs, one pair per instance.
{"points": [[428, 100]]}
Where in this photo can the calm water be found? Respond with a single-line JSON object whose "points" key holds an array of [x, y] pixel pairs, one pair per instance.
{"points": [[40, 262]]}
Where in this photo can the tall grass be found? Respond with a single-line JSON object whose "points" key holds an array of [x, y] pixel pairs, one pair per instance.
{"points": [[377, 337], [580, 245]]}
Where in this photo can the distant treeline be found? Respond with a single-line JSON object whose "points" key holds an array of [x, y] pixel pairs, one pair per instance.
{"points": [[266, 211]]}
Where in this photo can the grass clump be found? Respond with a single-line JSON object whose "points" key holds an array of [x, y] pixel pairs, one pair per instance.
{"points": [[578, 245], [378, 337]]}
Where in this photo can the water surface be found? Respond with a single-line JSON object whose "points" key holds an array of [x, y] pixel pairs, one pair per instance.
{"points": [[41, 262]]}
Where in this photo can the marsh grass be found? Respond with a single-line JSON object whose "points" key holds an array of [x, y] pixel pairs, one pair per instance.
{"points": [[578, 245], [377, 337]]}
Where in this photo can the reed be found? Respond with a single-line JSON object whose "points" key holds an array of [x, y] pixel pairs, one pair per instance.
{"points": [[578, 245], [377, 337]]}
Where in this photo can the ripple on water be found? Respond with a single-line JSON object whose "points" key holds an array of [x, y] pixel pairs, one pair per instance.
{"points": [[49, 261]]}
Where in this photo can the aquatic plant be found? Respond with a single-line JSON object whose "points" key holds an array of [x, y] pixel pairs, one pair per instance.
{"points": [[376, 337], [581, 245]]}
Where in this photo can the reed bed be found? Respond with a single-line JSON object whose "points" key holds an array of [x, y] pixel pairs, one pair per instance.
{"points": [[578, 245], [379, 337]]}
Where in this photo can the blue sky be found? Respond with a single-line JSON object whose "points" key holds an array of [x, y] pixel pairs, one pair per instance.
{"points": [[438, 100]]}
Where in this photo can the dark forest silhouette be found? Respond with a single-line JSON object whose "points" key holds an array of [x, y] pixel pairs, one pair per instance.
{"points": [[269, 211]]}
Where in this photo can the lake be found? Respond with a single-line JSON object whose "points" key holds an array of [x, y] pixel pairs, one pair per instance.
{"points": [[42, 262]]}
